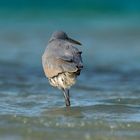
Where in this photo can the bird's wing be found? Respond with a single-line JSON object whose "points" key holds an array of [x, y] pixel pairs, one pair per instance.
{"points": [[53, 66], [58, 59], [66, 58], [67, 64]]}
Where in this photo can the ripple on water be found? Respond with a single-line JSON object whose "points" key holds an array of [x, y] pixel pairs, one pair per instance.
{"points": [[100, 110]]}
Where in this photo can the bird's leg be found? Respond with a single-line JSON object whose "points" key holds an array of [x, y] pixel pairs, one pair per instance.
{"points": [[66, 96]]}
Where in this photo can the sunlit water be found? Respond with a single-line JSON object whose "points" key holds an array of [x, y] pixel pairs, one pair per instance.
{"points": [[105, 101]]}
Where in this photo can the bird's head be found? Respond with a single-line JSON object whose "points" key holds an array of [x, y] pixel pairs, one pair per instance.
{"points": [[62, 35]]}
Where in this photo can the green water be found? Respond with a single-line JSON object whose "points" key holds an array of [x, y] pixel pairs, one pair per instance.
{"points": [[106, 99]]}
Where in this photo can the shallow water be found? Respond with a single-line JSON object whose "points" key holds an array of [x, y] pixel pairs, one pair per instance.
{"points": [[105, 101], [104, 106]]}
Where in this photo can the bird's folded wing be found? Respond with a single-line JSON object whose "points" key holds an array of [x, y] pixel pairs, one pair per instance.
{"points": [[53, 66], [66, 58]]}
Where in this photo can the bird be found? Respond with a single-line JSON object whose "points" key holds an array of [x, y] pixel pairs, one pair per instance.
{"points": [[62, 62]]}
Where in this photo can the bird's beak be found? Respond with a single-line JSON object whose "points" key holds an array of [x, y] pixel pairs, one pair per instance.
{"points": [[74, 41]]}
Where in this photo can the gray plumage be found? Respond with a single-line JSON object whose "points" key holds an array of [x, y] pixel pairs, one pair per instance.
{"points": [[62, 62]]}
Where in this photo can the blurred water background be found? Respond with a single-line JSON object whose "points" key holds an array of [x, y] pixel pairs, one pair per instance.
{"points": [[106, 98]]}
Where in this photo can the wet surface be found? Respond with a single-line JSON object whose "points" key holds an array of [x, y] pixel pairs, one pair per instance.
{"points": [[105, 101]]}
